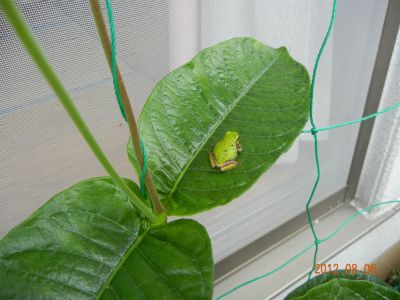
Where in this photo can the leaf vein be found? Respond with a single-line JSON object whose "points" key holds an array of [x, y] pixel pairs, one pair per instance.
{"points": [[176, 291], [50, 279], [222, 118]]}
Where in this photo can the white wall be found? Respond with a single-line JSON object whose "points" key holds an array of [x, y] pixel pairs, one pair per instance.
{"points": [[380, 178]]}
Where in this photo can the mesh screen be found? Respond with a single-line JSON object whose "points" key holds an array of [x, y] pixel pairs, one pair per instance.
{"points": [[41, 153]]}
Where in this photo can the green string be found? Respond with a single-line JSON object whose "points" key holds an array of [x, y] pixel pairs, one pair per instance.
{"points": [[117, 91], [309, 247], [314, 130], [114, 58], [315, 136], [355, 121]]}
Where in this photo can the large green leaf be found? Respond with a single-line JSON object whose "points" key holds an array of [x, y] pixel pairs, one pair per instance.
{"points": [[343, 286], [89, 242], [238, 85]]}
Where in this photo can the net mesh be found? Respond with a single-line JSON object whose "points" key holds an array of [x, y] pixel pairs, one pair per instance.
{"points": [[87, 78], [41, 151], [313, 131]]}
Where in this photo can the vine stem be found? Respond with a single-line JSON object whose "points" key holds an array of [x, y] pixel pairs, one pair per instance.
{"points": [[130, 117], [22, 30]]}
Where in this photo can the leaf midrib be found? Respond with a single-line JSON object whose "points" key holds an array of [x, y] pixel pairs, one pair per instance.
{"points": [[162, 276], [221, 119], [121, 263]]}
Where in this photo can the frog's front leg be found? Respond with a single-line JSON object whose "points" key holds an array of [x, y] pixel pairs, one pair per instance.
{"points": [[212, 159]]}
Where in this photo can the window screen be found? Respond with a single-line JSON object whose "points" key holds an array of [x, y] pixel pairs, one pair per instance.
{"points": [[41, 152]]}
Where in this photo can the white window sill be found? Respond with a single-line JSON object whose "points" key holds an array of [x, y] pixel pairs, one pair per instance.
{"points": [[361, 242]]}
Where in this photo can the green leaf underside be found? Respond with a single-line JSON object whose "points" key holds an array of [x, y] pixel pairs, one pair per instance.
{"points": [[238, 85], [344, 286], [89, 242]]}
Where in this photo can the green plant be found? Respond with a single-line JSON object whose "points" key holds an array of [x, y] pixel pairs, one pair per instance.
{"points": [[394, 278], [343, 285], [102, 238], [238, 85], [106, 238]]}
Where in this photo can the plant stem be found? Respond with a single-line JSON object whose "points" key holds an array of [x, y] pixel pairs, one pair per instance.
{"points": [[105, 41], [22, 30]]}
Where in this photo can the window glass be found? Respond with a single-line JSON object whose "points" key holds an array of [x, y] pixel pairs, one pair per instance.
{"points": [[42, 153]]}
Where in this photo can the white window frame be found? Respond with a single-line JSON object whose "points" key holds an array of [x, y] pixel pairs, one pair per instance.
{"points": [[279, 245]]}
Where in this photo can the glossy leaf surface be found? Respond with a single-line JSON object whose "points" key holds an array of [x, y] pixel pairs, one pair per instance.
{"points": [[89, 242], [238, 85], [343, 286]]}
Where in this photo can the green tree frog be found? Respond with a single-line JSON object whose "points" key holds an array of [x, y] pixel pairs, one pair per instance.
{"points": [[225, 151]]}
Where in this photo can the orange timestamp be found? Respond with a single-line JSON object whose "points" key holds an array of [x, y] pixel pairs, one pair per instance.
{"points": [[369, 269]]}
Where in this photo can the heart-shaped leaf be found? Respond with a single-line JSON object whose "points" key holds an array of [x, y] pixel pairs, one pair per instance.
{"points": [[89, 242], [238, 85], [342, 285]]}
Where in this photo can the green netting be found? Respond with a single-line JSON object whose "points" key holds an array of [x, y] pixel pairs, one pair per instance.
{"points": [[314, 131]]}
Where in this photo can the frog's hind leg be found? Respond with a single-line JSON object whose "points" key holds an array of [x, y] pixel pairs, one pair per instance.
{"points": [[229, 165], [239, 147]]}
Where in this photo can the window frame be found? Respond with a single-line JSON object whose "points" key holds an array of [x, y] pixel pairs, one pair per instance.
{"points": [[342, 197]]}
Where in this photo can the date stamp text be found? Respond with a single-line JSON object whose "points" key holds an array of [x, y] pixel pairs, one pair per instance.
{"points": [[369, 269]]}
